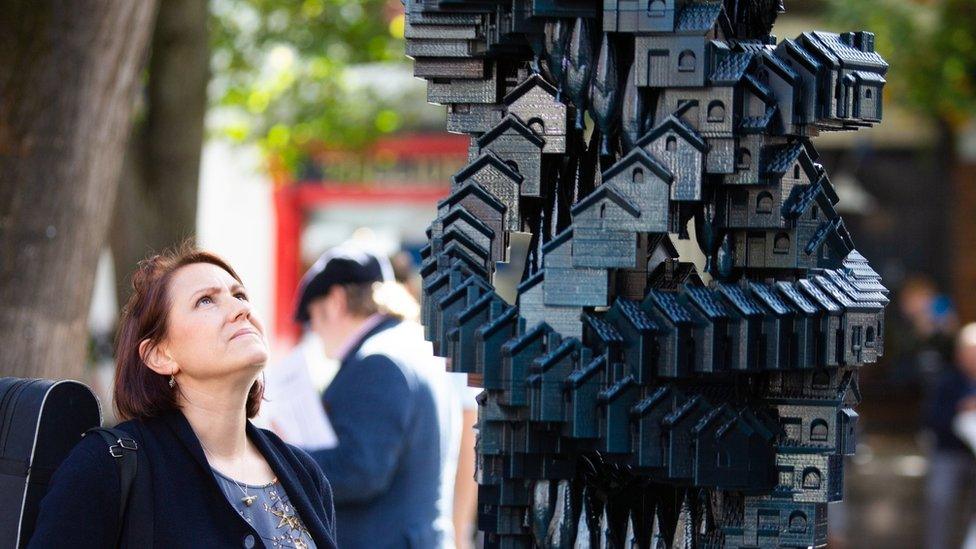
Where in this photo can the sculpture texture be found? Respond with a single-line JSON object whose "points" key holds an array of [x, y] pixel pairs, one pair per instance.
{"points": [[643, 266]]}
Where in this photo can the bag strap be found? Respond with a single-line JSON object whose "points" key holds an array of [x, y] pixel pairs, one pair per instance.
{"points": [[123, 448]]}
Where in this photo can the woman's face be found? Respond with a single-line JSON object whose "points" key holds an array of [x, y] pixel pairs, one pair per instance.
{"points": [[212, 330]]}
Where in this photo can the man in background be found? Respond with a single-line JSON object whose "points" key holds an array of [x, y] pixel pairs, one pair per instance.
{"points": [[394, 411]]}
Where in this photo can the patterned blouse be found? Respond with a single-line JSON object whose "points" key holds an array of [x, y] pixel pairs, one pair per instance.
{"points": [[269, 513]]}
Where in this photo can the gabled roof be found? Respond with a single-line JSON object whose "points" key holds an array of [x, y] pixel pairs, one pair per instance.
{"points": [[479, 305], [460, 292], [517, 345], [511, 122], [602, 329], [737, 296], [528, 283], [454, 234], [674, 123], [617, 390], [606, 192], [867, 76], [460, 255], [796, 298], [732, 68], [667, 302], [778, 65], [818, 295], [801, 55], [652, 400], [683, 410], [698, 17], [638, 155], [487, 158], [461, 214], [630, 310], [529, 83], [761, 90], [510, 314], [707, 301], [473, 188], [557, 241], [758, 124], [846, 53], [766, 295], [802, 196], [564, 349], [578, 377], [777, 159]]}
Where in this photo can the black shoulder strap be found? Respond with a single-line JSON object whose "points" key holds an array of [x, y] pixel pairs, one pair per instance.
{"points": [[122, 447]]}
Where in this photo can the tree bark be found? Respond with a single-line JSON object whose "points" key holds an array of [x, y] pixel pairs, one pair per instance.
{"points": [[68, 74], [157, 202]]}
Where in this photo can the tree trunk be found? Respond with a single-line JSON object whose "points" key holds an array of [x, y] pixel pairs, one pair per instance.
{"points": [[157, 201], [68, 74]]}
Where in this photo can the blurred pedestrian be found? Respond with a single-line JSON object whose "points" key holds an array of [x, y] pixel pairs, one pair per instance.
{"points": [[951, 462], [189, 356], [392, 407]]}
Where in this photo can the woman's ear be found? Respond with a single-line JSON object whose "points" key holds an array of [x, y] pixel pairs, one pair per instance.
{"points": [[157, 358]]}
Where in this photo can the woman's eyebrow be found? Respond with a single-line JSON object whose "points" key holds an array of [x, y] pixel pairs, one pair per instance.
{"points": [[209, 290]]}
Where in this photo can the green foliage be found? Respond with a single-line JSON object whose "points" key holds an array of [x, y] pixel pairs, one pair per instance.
{"points": [[931, 48], [281, 71]]}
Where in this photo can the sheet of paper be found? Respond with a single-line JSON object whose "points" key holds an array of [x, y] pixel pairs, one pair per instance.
{"points": [[293, 407]]}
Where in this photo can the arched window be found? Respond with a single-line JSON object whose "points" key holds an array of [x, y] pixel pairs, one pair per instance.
{"points": [[603, 211], [781, 244], [537, 125], [671, 144], [811, 478], [744, 158], [814, 213], [869, 336], [796, 171], [512, 164], [867, 93], [716, 111], [638, 175], [798, 522], [764, 203], [818, 430], [687, 61], [656, 8]]}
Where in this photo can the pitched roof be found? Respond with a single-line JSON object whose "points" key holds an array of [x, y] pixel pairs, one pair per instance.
{"points": [[582, 375], [535, 80], [698, 17], [668, 303], [796, 298], [511, 122], [603, 329], [737, 296], [558, 240], [515, 346], [473, 188], [674, 123], [818, 295], [801, 55], [509, 315], [707, 301], [528, 283], [732, 68], [564, 349], [484, 159], [461, 214], [767, 296], [638, 155], [777, 159], [758, 124], [848, 54], [631, 311], [606, 192]]}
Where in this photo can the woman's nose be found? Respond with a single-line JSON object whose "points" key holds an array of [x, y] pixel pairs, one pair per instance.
{"points": [[240, 308]]}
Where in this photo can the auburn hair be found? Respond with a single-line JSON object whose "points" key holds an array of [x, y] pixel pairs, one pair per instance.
{"points": [[140, 392]]}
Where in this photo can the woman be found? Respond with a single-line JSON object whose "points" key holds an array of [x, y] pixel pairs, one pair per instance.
{"points": [[188, 356]]}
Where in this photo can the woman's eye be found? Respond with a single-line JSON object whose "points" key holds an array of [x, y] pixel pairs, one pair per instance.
{"points": [[241, 295], [204, 300]]}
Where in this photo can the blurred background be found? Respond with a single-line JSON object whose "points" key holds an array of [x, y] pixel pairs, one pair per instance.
{"points": [[270, 130]]}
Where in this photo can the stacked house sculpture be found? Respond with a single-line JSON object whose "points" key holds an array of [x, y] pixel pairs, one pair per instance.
{"points": [[632, 396]]}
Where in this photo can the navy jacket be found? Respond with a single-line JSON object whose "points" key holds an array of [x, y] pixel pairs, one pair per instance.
{"points": [[942, 407], [385, 471], [176, 488]]}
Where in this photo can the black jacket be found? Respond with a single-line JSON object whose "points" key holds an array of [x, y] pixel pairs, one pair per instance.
{"points": [[174, 493]]}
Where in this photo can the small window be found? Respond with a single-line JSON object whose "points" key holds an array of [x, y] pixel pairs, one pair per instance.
{"points": [[869, 336], [764, 75], [781, 244], [867, 93], [655, 8], [814, 213], [744, 158], [811, 479], [638, 175], [818, 430], [538, 126], [723, 459], [798, 522], [716, 111], [512, 164], [603, 211], [796, 171], [671, 145], [764, 203], [687, 61]]}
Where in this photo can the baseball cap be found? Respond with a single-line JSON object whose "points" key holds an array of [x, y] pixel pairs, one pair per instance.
{"points": [[343, 264]]}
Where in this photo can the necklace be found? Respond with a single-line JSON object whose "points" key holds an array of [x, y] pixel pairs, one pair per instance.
{"points": [[248, 499]]}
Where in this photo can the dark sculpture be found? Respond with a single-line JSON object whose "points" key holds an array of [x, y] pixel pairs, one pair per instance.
{"points": [[638, 390]]}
